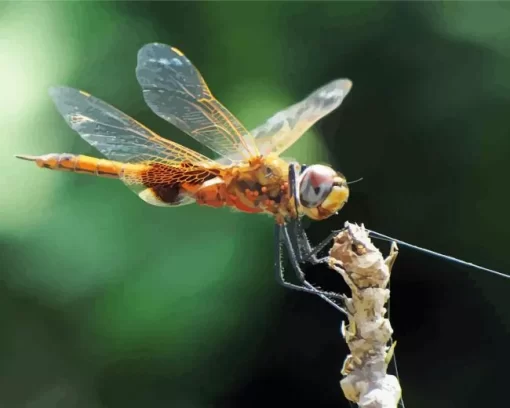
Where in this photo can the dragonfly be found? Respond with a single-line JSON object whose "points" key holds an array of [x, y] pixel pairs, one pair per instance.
{"points": [[248, 175]]}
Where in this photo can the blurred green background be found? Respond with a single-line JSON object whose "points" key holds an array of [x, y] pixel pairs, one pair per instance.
{"points": [[109, 302]]}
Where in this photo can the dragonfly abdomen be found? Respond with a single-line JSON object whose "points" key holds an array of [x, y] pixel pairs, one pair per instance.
{"points": [[78, 164]]}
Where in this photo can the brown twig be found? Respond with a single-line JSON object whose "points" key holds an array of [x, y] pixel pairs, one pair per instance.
{"points": [[368, 332]]}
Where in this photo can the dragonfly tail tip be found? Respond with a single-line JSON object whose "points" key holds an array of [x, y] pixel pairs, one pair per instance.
{"points": [[25, 157]]}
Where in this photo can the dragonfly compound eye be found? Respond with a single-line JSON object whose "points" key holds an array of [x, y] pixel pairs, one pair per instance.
{"points": [[322, 191], [315, 184]]}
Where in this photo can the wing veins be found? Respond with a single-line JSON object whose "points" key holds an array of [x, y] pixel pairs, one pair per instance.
{"points": [[158, 141], [176, 91], [214, 123], [232, 126]]}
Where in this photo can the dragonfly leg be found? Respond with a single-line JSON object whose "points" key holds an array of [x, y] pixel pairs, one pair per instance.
{"points": [[282, 237], [308, 287], [310, 255], [301, 244]]}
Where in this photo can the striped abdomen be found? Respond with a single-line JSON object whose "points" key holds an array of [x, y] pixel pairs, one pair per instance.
{"points": [[156, 183], [79, 164]]}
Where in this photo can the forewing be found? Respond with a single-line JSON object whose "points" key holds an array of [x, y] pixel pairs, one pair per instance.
{"points": [[174, 90], [121, 138], [284, 128]]}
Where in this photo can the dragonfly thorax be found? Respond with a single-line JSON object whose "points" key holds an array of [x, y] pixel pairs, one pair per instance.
{"points": [[264, 185]]}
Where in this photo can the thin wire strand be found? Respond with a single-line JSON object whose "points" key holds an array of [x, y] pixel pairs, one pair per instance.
{"points": [[433, 253]]}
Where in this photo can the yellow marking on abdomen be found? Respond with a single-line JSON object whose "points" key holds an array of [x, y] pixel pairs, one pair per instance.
{"points": [[83, 164]]}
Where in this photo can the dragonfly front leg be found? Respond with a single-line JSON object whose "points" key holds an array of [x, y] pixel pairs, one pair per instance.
{"points": [[309, 254], [280, 239], [297, 236]]}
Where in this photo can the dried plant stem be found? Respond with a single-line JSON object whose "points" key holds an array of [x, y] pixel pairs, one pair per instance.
{"points": [[368, 332]]}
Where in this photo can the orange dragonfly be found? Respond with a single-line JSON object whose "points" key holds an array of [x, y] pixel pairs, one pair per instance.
{"points": [[249, 175]]}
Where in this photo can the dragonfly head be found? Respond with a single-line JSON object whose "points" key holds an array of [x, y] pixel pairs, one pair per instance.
{"points": [[322, 191]]}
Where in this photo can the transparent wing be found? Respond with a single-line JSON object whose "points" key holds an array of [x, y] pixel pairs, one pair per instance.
{"points": [[115, 134], [284, 128], [174, 90], [147, 161]]}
